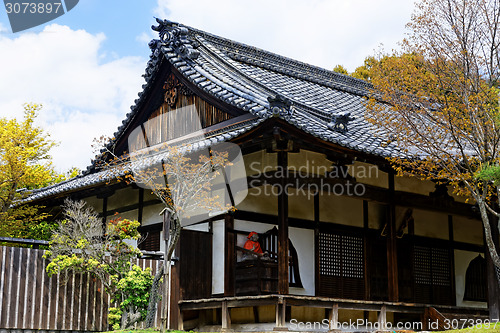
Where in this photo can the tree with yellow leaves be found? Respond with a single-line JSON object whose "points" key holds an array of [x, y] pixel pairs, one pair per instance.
{"points": [[24, 165], [190, 183], [439, 99]]}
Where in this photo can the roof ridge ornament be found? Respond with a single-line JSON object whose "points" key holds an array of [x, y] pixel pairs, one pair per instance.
{"points": [[339, 122], [280, 106], [175, 35]]}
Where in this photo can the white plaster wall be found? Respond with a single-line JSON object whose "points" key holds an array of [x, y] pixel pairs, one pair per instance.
{"points": [[95, 203], [340, 209], [377, 215], [467, 230], [301, 205], [256, 163], [413, 185], [151, 214], [462, 260], [430, 224], [260, 199], [369, 174], [303, 241], [123, 197], [218, 242]]}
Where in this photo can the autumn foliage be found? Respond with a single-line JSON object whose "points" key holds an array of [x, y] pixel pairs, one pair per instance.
{"points": [[438, 99]]}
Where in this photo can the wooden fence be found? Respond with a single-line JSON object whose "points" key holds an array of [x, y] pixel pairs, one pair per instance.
{"points": [[30, 300]]}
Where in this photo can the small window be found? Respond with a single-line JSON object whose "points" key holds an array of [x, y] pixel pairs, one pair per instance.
{"points": [[150, 238], [475, 280]]}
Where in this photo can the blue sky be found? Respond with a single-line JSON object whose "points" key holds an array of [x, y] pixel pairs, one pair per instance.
{"points": [[121, 20], [85, 67]]}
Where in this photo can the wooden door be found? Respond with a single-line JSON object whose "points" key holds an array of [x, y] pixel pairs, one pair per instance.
{"points": [[196, 264]]}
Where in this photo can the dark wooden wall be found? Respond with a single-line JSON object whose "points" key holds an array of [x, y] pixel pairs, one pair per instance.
{"points": [[29, 299]]}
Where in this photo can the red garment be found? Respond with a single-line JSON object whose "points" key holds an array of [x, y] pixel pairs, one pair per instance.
{"points": [[249, 245]]}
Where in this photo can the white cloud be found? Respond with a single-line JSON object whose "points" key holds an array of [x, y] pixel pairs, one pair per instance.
{"points": [[83, 97], [320, 32]]}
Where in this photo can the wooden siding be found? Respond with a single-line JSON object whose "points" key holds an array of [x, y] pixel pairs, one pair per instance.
{"points": [[29, 299], [166, 128]]}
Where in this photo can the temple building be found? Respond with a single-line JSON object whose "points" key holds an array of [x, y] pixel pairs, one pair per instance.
{"points": [[345, 238]]}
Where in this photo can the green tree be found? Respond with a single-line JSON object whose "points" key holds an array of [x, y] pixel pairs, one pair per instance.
{"points": [[81, 244], [25, 164], [440, 100]]}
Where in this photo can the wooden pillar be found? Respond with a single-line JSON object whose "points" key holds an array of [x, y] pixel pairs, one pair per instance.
{"points": [[104, 211], [451, 250], [382, 319], [140, 210], [366, 240], [283, 264], [333, 318], [492, 278], [316, 243], [226, 317], [175, 315], [392, 255], [281, 315], [229, 260]]}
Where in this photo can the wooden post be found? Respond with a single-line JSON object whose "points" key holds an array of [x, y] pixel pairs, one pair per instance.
{"points": [[382, 319], [280, 315], [226, 317], [175, 314], [229, 260], [283, 263], [366, 249], [333, 318], [140, 210], [492, 278], [392, 255]]}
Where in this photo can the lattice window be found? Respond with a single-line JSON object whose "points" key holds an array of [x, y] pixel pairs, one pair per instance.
{"points": [[330, 254], [432, 270], [341, 265]]}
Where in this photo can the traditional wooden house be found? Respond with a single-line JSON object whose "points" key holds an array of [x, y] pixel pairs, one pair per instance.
{"points": [[347, 240]]}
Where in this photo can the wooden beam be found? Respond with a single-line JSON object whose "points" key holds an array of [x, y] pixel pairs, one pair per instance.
{"points": [[283, 264], [230, 258], [364, 191]]}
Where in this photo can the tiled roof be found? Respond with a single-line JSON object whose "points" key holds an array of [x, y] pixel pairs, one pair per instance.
{"points": [[258, 82]]}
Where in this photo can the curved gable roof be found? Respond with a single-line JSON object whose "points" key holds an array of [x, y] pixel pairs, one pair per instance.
{"points": [[258, 82]]}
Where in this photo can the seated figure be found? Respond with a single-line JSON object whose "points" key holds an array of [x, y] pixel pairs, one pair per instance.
{"points": [[253, 245]]}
